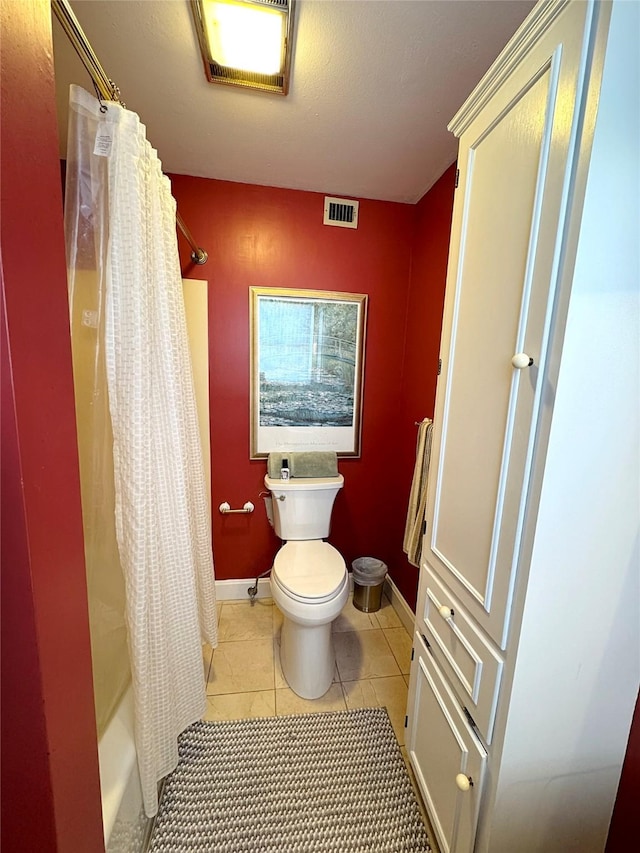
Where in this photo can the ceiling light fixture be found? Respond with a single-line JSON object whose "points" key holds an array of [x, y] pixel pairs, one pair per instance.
{"points": [[246, 42]]}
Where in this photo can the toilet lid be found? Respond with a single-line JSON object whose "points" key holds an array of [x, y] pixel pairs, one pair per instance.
{"points": [[309, 569]]}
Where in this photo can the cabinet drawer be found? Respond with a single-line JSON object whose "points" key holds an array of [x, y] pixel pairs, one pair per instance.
{"points": [[442, 745], [465, 656]]}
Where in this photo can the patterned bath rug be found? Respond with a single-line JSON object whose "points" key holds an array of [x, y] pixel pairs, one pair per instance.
{"points": [[308, 783]]}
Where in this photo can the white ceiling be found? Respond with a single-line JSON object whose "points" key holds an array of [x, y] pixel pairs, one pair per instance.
{"points": [[373, 87]]}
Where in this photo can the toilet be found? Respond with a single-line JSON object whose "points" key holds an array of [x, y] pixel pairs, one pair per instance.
{"points": [[309, 579]]}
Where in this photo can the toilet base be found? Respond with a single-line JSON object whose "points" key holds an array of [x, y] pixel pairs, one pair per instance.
{"points": [[306, 650], [307, 658]]}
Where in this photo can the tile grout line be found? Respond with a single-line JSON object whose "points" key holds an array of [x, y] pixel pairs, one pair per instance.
{"points": [[375, 624]]}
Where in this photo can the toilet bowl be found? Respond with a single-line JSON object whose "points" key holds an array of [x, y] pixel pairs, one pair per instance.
{"points": [[309, 581], [310, 585]]}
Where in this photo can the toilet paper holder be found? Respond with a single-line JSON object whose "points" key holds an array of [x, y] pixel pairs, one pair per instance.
{"points": [[225, 508]]}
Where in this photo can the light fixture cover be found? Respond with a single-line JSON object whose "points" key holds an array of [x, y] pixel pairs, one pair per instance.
{"points": [[246, 42]]}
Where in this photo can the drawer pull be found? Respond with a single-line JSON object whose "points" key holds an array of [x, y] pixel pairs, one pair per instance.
{"points": [[446, 612], [521, 360], [464, 782]]}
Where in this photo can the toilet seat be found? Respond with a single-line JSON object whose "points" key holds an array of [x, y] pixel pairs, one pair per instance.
{"points": [[309, 570]]}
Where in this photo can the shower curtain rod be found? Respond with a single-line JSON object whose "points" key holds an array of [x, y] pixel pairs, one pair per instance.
{"points": [[108, 90]]}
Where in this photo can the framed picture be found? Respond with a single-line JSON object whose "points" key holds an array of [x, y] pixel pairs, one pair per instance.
{"points": [[307, 359]]}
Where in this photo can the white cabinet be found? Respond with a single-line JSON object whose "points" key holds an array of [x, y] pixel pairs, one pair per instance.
{"points": [[515, 151], [442, 752], [461, 651], [515, 666]]}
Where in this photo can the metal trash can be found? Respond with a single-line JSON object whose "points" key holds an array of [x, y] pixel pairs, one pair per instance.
{"points": [[368, 581]]}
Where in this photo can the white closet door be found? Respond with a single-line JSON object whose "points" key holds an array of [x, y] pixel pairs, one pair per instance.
{"points": [[500, 290]]}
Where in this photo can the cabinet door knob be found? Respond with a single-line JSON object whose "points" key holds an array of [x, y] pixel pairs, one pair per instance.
{"points": [[445, 612], [521, 360], [464, 782]]}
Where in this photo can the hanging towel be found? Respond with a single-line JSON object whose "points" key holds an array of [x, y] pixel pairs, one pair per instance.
{"points": [[316, 463], [412, 544]]}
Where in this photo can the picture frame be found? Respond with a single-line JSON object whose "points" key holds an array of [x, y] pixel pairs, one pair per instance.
{"points": [[307, 370]]}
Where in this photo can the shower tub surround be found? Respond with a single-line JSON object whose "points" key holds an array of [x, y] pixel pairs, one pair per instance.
{"points": [[125, 824]]}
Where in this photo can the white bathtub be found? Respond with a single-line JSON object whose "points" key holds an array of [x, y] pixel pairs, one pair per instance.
{"points": [[123, 818]]}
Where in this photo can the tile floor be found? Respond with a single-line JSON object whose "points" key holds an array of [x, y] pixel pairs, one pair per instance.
{"points": [[373, 657], [244, 678]]}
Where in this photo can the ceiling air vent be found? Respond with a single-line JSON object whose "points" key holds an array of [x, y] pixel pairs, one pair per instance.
{"points": [[342, 212]]}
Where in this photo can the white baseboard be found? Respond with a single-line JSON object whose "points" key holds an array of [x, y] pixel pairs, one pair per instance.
{"points": [[399, 604], [236, 590]]}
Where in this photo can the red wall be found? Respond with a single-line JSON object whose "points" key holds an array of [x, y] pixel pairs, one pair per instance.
{"points": [[426, 297], [422, 346], [50, 785], [20, 699], [275, 238], [624, 823]]}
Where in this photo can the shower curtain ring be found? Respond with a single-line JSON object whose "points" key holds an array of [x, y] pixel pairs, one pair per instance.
{"points": [[103, 106], [115, 92]]}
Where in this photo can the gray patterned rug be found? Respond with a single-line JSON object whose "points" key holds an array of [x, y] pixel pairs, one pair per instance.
{"points": [[310, 783]]}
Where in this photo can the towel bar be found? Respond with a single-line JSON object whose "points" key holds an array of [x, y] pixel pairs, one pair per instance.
{"points": [[225, 508]]}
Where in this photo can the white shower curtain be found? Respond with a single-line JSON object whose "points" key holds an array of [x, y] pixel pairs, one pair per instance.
{"points": [[120, 221]]}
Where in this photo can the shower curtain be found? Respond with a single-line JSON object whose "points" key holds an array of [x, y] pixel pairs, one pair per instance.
{"points": [[120, 228]]}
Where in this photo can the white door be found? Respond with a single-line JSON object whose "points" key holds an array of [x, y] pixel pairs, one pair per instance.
{"points": [[447, 758], [508, 215]]}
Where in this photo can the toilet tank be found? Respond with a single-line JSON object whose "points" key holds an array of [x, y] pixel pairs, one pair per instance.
{"points": [[302, 507]]}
